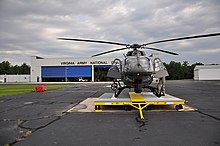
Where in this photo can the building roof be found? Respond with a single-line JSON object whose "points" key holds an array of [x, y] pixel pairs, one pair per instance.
{"points": [[208, 66]]}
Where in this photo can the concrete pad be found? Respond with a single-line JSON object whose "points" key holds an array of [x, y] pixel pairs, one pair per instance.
{"points": [[84, 106]]}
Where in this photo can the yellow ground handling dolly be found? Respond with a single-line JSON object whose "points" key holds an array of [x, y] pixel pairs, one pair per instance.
{"points": [[138, 101]]}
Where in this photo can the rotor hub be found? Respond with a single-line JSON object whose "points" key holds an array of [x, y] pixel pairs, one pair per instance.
{"points": [[135, 46]]}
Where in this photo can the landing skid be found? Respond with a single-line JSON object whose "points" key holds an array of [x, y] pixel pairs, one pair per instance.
{"points": [[156, 92], [118, 88]]}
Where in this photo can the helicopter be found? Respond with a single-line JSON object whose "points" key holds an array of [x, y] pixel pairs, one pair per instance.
{"points": [[137, 70]]}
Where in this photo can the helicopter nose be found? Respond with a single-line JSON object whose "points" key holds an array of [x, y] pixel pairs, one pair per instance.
{"points": [[136, 70]]}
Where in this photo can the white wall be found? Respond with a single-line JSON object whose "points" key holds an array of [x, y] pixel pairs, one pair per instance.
{"points": [[207, 72], [15, 78]]}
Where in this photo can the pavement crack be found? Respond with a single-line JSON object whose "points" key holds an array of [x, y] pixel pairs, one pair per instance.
{"points": [[58, 118], [31, 130], [21, 124], [142, 124], [216, 118]]}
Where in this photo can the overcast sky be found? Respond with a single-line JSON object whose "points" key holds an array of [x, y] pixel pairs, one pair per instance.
{"points": [[30, 27]]}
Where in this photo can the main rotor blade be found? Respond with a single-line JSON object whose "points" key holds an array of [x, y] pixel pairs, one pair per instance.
{"points": [[109, 52], [184, 38], [94, 41], [161, 50]]}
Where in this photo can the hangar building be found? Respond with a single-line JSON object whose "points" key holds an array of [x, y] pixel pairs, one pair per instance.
{"points": [[70, 69], [207, 72]]}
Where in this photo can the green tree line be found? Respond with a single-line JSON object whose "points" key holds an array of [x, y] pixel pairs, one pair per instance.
{"points": [[7, 68], [178, 70]]}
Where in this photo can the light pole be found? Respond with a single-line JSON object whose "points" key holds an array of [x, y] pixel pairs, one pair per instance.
{"points": [[66, 69]]}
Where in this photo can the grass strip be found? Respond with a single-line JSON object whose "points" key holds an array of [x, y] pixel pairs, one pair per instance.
{"points": [[6, 90]]}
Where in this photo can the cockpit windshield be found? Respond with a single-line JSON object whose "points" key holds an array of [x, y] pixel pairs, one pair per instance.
{"points": [[146, 63], [143, 61]]}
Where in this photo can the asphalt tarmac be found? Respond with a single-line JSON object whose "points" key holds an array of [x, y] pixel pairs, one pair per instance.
{"points": [[42, 118]]}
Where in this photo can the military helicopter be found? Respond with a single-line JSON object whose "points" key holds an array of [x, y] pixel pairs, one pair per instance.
{"points": [[137, 70]]}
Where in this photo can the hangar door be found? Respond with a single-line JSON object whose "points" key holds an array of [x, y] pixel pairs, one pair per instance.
{"points": [[100, 72], [79, 71], [60, 73], [53, 71]]}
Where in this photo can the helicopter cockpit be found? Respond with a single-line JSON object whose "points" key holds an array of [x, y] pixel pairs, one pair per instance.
{"points": [[131, 63]]}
